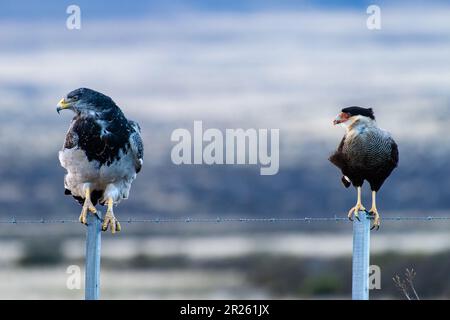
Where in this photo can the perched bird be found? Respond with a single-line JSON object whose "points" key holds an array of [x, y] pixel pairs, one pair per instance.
{"points": [[365, 153], [102, 153]]}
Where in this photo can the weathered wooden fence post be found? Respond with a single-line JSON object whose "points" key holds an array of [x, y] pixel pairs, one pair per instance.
{"points": [[361, 256], [93, 249]]}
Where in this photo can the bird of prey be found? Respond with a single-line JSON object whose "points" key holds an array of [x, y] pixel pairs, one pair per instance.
{"points": [[102, 153], [365, 153]]}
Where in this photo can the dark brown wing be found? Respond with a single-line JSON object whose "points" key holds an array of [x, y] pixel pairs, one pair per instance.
{"points": [[71, 137], [394, 154], [338, 158]]}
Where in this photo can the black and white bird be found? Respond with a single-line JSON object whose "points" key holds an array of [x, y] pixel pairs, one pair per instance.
{"points": [[102, 153], [365, 153]]}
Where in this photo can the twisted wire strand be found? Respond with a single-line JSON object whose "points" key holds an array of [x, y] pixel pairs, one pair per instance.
{"points": [[13, 220]]}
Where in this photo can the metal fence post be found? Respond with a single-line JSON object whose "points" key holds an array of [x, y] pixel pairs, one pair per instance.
{"points": [[361, 256], [93, 249]]}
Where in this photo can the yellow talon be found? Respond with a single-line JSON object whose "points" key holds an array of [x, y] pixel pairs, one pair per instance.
{"points": [[87, 206], [374, 211], [357, 208], [355, 211], [110, 220]]}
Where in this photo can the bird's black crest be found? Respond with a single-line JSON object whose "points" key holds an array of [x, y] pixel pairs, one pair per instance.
{"points": [[92, 97], [354, 111]]}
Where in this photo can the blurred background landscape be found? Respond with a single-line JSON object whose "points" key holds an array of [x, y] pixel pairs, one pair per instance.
{"points": [[289, 65]]}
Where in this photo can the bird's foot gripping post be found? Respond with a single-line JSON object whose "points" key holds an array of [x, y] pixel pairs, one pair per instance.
{"points": [[361, 256], [110, 220], [87, 206], [93, 249]]}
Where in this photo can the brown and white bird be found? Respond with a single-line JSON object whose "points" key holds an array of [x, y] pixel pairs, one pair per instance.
{"points": [[365, 153], [102, 153]]}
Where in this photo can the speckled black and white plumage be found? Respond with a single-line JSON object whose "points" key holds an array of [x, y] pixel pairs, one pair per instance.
{"points": [[102, 149], [366, 152]]}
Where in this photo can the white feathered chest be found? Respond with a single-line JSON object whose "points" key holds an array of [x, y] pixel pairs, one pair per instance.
{"points": [[104, 153]]}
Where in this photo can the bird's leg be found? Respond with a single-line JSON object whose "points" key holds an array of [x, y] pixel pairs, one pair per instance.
{"points": [[373, 211], [110, 219], [358, 207], [87, 206]]}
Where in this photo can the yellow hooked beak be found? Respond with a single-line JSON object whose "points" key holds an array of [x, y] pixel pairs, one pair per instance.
{"points": [[62, 104]]}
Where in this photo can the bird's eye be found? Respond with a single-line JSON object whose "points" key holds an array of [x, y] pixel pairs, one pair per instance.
{"points": [[74, 98]]}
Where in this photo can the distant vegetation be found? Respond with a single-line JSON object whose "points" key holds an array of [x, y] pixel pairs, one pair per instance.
{"points": [[282, 276]]}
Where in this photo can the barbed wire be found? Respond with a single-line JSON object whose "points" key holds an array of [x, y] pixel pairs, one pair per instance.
{"points": [[13, 220]]}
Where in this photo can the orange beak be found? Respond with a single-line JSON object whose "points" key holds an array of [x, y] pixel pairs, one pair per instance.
{"points": [[341, 117]]}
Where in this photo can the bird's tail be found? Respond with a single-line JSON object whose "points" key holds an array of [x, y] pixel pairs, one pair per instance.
{"points": [[345, 181]]}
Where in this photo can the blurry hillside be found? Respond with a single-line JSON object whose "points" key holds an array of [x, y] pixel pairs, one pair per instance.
{"points": [[292, 70]]}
